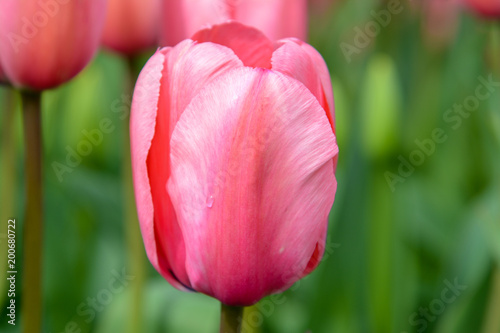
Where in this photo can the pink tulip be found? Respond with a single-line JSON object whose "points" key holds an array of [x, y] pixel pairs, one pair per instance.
{"points": [[440, 21], [131, 25], [45, 43], [233, 156], [276, 18], [322, 6], [486, 8]]}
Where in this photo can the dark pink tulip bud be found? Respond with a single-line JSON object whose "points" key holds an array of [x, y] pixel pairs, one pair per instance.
{"points": [[276, 18], [233, 156], [131, 25], [440, 21], [322, 6], [45, 43], [486, 8]]}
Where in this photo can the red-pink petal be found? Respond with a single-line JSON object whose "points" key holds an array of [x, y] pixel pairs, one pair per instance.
{"points": [[302, 62], [276, 18], [486, 8], [46, 43], [249, 44], [252, 182], [142, 124], [131, 25], [182, 18], [185, 69]]}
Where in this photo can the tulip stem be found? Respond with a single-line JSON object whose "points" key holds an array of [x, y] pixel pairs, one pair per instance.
{"points": [[31, 303], [495, 47], [135, 247], [8, 173], [492, 320], [230, 318]]}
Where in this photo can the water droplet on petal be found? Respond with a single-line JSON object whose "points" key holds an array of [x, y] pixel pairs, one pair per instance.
{"points": [[282, 249], [210, 201]]}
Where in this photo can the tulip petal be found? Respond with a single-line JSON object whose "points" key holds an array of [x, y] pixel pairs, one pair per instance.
{"points": [[486, 8], [157, 107], [317, 254], [44, 44], [250, 45], [277, 18], [142, 123], [302, 62], [253, 183], [131, 25], [182, 18]]}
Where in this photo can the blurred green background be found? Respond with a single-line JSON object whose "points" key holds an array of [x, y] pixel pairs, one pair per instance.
{"points": [[414, 237]]}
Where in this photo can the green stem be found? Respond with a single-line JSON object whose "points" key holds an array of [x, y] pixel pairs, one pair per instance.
{"points": [[231, 318], [494, 47], [494, 62], [8, 168], [135, 247], [8, 157], [491, 322], [33, 229], [492, 319]]}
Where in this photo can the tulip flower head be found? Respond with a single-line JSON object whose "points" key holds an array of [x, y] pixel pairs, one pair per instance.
{"points": [[131, 25], [486, 8], [440, 21], [46, 43], [275, 18], [233, 156]]}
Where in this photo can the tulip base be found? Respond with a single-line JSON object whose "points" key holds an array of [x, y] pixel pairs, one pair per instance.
{"points": [[230, 318], [33, 230]]}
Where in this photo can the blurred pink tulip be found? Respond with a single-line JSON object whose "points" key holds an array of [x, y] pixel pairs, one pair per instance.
{"points": [[322, 6], [486, 8], [276, 18], [233, 156], [131, 25], [440, 21], [45, 43]]}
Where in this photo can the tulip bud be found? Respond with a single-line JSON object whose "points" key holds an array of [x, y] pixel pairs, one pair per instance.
{"points": [[233, 158], [276, 18], [440, 21], [321, 7], [131, 25], [44, 43], [486, 8]]}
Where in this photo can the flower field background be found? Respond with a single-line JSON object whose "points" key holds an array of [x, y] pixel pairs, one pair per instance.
{"points": [[414, 233]]}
